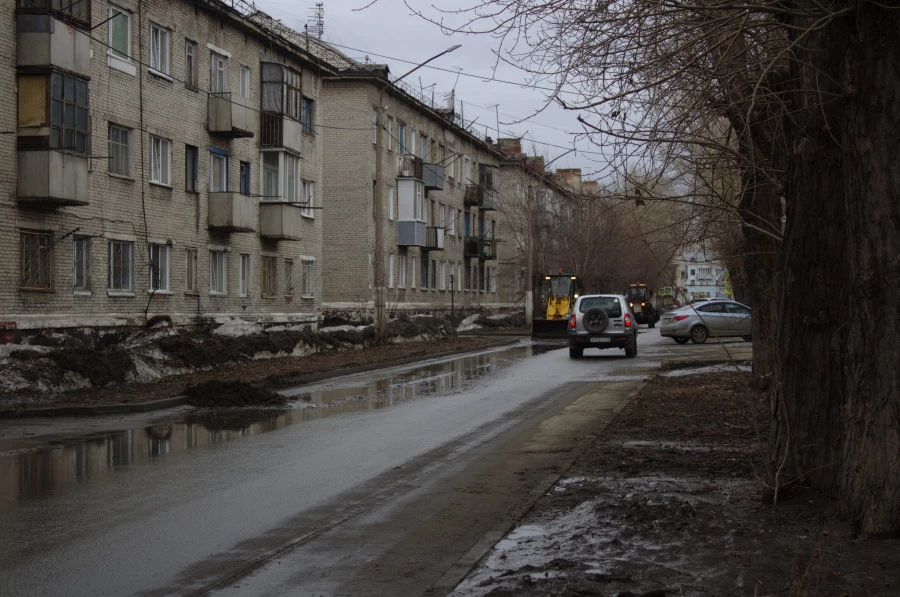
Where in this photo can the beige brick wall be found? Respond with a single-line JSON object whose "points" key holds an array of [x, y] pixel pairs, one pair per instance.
{"points": [[131, 207]]}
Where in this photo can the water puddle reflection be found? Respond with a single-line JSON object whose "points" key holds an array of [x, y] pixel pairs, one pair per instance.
{"points": [[48, 470]]}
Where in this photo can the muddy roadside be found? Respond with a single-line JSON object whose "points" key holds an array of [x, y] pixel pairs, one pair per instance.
{"points": [[669, 499]]}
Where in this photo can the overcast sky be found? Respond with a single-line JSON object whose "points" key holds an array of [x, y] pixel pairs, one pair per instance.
{"points": [[387, 33]]}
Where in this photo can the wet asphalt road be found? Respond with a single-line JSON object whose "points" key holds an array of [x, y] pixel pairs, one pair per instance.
{"points": [[388, 483]]}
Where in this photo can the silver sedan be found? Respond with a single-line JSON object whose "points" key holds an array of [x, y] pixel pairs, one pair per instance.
{"points": [[712, 319]]}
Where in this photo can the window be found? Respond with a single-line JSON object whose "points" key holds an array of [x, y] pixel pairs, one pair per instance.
{"points": [[306, 277], [244, 274], [390, 134], [159, 49], [121, 265], [36, 261], [245, 82], [424, 150], [288, 277], [270, 176], [451, 224], [159, 267], [68, 113], [190, 270], [390, 200], [292, 96], [119, 150], [267, 276], [423, 277], [309, 196], [291, 178], [218, 272], [390, 275], [218, 172], [81, 263], [442, 284], [459, 276], [191, 159], [119, 33], [434, 274], [218, 73], [412, 273], [401, 272], [440, 215], [401, 138], [281, 90], [245, 178], [190, 64], [374, 125], [79, 11], [419, 202], [160, 160], [306, 115]]}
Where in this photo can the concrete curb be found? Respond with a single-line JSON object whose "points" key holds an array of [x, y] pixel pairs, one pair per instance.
{"points": [[143, 407]]}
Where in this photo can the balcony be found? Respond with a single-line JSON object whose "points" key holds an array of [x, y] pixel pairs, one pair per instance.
{"points": [[228, 117], [481, 248], [43, 41], [231, 212], [49, 179], [433, 177], [411, 167], [280, 220], [277, 131], [410, 233], [434, 238], [480, 197]]}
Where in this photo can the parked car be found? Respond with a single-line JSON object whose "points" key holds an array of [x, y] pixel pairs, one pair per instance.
{"points": [[718, 318], [602, 321]]}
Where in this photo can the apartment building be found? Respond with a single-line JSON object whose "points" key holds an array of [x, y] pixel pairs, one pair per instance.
{"points": [[162, 158], [439, 184]]}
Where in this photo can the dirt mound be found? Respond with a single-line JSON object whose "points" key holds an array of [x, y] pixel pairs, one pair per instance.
{"points": [[231, 394]]}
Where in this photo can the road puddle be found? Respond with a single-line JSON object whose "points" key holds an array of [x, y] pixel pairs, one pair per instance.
{"points": [[51, 469]]}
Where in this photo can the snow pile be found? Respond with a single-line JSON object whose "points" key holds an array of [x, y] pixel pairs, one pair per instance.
{"points": [[237, 327]]}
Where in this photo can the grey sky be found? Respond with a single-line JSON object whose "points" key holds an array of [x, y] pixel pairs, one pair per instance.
{"points": [[386, 32]]}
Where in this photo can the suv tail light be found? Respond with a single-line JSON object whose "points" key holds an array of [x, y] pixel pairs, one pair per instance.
{"points": [[680, 317], [572, 320], [627, 320]]}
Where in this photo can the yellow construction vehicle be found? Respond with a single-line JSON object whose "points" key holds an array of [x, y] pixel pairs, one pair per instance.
{"points": [[559, 292]]}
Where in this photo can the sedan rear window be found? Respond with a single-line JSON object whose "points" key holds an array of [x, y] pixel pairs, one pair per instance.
{"points": [[610, 304]]}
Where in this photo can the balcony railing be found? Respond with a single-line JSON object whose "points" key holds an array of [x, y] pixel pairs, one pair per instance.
{"points": [[271, 130], [228, 117], [480, 197], [434, 238], [411, 167], [231, 212], [482, 248]]}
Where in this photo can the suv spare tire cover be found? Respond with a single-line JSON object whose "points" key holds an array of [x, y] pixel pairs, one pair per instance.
{"points": [[595, 320]]}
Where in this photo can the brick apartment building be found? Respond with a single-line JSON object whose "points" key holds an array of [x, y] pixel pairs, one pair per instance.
{"points": [[440, 193], [165, 161]]}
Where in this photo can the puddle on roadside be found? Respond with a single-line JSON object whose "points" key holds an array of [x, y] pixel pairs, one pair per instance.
{"points": [[46, 471]]}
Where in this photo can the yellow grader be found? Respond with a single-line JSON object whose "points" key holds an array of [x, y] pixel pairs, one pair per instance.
{"points": [[559, 292]]}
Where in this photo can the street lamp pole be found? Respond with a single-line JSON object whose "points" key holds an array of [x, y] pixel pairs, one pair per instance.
{"points": [[380, 313]]}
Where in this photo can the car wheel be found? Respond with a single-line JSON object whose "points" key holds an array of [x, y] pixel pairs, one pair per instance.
{"points": [[748, 338], [595, 321], [699, 335], [575, 353], [682, 340]]}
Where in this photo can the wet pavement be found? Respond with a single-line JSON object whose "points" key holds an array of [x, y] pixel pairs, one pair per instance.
{"points": [[181, 501]]}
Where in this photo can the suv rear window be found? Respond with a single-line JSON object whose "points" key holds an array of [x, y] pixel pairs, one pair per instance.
{"points": [[610, 304]]}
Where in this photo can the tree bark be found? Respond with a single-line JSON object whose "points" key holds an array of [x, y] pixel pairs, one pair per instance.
{"points": [[836, 405]]}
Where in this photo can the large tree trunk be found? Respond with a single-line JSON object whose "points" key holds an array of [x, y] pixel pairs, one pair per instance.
{"points": [[836, 407]]}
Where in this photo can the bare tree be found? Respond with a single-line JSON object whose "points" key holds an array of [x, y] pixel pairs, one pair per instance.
{"points": [[798, 100]]}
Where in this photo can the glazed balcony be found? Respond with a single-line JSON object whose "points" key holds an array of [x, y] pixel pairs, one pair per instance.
{"points": [[481, 197]]}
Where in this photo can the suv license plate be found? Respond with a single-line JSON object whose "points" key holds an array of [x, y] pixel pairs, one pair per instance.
{"points": [[599, 339]]}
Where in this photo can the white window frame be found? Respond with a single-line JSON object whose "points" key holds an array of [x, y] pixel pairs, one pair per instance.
{"points": [[419, 201], [121, 258], [401, 272], [390, 134], [160, 255], [307, 272], [390, 200], [113, 13], [245, 82], [117, 147], [81, 263], [159, 43], [441, 213], [412, 277], [190, 64], [268, 276], [218, 184], [291, 175], [244, 274], [451, 225], [218, 72], [271, 174], [218, 271], [288, 277], [308, 198], [160, 160], [442, 277]]}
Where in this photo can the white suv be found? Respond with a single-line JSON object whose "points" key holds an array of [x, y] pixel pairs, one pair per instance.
{"points": [[602, 321]]}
